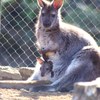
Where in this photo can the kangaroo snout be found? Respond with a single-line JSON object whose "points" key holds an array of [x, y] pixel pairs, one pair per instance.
{"points": [[46, 24], [42, 75]]}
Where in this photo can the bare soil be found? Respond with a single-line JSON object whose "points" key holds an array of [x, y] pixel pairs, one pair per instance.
{"points": [[13, 94]]}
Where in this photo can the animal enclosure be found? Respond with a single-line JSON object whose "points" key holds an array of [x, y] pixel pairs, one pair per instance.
{"points": [[17, 31]]}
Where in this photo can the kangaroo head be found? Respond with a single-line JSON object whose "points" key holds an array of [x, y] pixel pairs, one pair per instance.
{"points": [[46, 67], [49, 13]]}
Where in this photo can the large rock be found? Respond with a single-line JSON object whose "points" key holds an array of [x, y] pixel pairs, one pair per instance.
{"points": [[9, 73], [87, 90], [26, 72]]}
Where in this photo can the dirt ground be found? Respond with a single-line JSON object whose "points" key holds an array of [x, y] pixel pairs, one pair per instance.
{"points": [[13, 94]]}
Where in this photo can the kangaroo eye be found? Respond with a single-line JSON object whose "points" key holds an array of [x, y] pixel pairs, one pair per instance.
{"points": [[53, 15], [47, 68], [43, 14]]}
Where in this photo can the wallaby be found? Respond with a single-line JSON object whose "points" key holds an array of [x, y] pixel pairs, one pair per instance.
{"points": [[43, 70], [75, 53], [46, 69]]}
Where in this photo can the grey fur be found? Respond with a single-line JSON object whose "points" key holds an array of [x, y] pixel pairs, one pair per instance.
{"points": [[43, 71], [75, 51], [47, 68]]}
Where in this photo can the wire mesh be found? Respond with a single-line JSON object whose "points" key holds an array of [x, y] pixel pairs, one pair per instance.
{"points": [[18, 17]]}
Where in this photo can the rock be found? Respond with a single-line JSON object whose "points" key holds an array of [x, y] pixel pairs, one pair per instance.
{"points": [[26, 72], [9, 73], [87, 90], [0, 78]]}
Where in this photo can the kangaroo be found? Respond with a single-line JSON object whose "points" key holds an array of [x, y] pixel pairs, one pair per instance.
{"points": [[75, 53], [46, 69], [43, 70]]}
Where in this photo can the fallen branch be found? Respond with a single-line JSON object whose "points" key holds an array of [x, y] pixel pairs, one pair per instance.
{"points": [[15, 84]]}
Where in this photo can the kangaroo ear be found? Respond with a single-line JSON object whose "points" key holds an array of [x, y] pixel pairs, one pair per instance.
{"points": [[57, 4], [41, 3], [39, 60]]}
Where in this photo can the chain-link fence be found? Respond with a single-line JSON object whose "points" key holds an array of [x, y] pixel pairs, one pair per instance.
{"points": [[18, 17]]}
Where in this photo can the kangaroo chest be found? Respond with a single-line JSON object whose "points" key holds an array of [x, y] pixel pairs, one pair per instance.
{"points": [[46, 42]]}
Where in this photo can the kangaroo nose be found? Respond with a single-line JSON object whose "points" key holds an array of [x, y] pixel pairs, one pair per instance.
{"points": [[46, 24], [42, 74]]}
